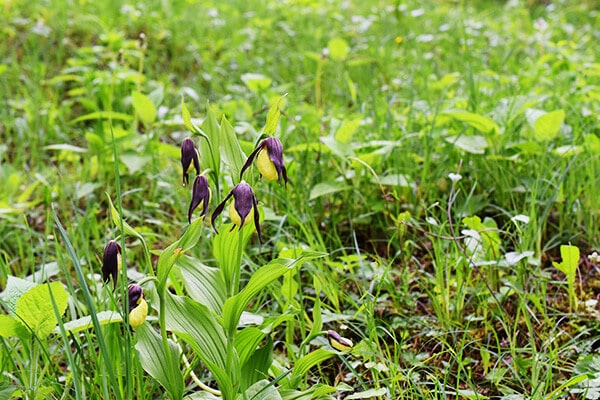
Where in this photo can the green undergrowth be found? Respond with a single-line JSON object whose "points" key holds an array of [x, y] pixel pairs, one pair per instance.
{"points": [[442, 160]]}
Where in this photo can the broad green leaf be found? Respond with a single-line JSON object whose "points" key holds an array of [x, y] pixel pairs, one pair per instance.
{"points": [[156, 363], [231, 152], [116, 219], [473, 144], [10, 327], [346, 131], [490, 237], [482, 124], [227, 249], [257, 366], [66, 147], [134, 162], [209, 146], [194, 319], [83, 323], [546, 126], [247, 341], [327, 188], [202, 395], [315, 147], [273, 116], [315, 392], [289, 287], [35, 310], [196, 325], [568, 150], [266, 274], [15, 287], [304, 364], [187, 117], [7, 392], [340, 149], [570, 262], [338, 49], [395, 180], [370, 393], [232, 310], [144, 107], [203, 284], [262, 390], [103, 115], [171, 254], [256, 82]]}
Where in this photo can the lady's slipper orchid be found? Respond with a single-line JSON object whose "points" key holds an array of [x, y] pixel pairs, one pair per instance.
{"points": [[269, 160], [189, 159], [338, 342], [138, 308], [242, 210], [111, 262], [200, 196]]}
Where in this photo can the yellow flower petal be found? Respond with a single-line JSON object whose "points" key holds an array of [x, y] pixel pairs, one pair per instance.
{"points": [[235, 217], [265, 166], [138, 315]]}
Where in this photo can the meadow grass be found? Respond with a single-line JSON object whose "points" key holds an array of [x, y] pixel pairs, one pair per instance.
{"points": [[439, 153]]}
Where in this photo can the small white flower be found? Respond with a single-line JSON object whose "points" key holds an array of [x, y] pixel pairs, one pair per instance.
{"points": [[454, 177], [594, 257]]}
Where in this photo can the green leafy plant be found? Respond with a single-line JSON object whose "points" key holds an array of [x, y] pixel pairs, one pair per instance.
{"points": [[568, 266]]}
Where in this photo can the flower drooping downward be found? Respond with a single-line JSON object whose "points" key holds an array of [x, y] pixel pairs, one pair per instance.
{"points": [[138, 308], [338, 342], [189, 159], [269, 160], [200, 196], [111, 262], [242, 210]]}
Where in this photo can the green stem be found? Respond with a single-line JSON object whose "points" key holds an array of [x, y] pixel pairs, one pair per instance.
{"points": [[162, 290]]}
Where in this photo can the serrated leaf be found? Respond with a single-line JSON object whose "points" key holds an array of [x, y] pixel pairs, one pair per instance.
{"points": [[273, 116], [144, 107], [10, 327], [546, 126], [156, 362], [15, 287], [35, 310]]}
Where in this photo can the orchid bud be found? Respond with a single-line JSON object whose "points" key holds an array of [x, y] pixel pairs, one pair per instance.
{"points": [[189, 159], [111, 262]]}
